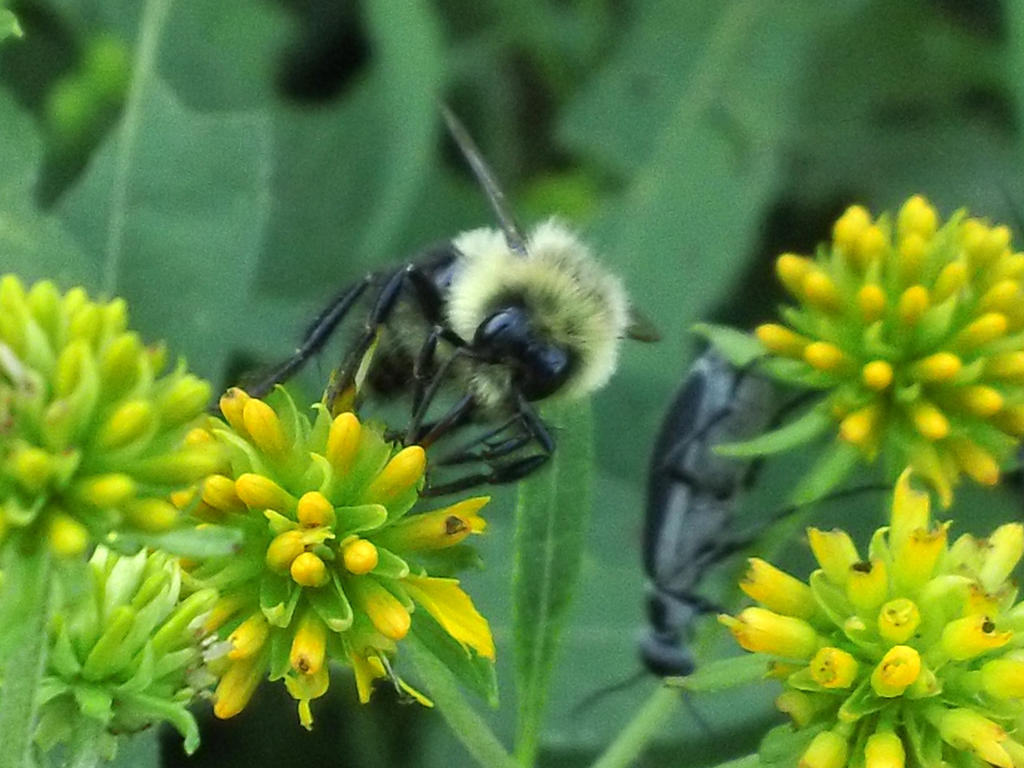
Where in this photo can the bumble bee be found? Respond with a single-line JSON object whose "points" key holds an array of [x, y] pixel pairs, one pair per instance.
{"points": [[495, 320]]}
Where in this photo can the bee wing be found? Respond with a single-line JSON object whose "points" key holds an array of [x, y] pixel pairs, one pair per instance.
{"points": [[485, 177], [640, 327]]}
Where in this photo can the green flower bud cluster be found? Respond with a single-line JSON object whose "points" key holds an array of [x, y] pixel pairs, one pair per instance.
{"points": [[125, 652], [911, 656], [333, 564], [92, 433]]}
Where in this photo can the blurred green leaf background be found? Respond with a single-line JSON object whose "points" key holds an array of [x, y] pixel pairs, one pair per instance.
{"points": [[228, 165]]}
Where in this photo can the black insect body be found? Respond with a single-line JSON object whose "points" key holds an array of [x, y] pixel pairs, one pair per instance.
{"points": [[692, 495], [480, 328]]}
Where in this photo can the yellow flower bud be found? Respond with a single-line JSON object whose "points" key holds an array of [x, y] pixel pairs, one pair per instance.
{"points": [[780, 340], [402, 473], [32, 467], [833, 668], [308, 570], [343, 441], [835, 552], [871, 245], [1001, 297], [982, 401], [915, 559], [309, 646], [989, 327], [1005, 548], [978, 463], [119, 362], [439, 529], [219, 493], [884, 749], [792, 270], [971, 636], [763, 631], [859, 427], [929, 421], [964, 728], [151, 514], [820, 291], [898, 668], [777, 590], [222, 610], [386, 613], [283, 550], [232, 405], [68, 537], [951, 279], [237, 686], [850, 226], [1006, 365], [110, 490], [910, 511], [264, 427], [871, 301], [917, 216], [898, 620], [260, 492], [249, 637], [128, 423], [823, 355], [360, 556], [877, 375], [913, 303], [867, 585], [1003, 678], [314, 510], [912, 250], [827, 750], [942, 366]]}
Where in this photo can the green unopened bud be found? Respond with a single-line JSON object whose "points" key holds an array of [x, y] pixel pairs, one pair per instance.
{"points": [[184, 401], [110, 490], [152, 514], [32, 467], [130, 422]]}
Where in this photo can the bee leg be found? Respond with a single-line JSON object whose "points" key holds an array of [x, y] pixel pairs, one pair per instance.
{"points": [[424, 362], [457, 415], [465, 452], [316, 335]]}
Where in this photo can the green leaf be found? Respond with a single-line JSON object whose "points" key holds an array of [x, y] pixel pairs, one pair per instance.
{"points": [[24, 611], [739, 348], [551, 518], [465, 723], [724, 673], [801, 430], [471, 670]]}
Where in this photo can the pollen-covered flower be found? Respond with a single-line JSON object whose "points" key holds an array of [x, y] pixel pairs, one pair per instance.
{"points": [[915, 329], [910, 656], [126, 652], [333, 565], [92, 433]]}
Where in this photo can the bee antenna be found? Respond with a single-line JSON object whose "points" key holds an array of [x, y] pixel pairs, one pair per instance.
{"points": [[486, 179]]}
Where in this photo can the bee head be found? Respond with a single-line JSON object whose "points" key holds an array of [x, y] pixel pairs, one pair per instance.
{"points": [[554, 314]]}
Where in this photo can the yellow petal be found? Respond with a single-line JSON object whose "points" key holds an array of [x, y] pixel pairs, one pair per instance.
{"points": [[453, 610]]}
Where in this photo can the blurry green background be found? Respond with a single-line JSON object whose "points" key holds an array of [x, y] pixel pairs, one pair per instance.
{"points": [[228, 165]]}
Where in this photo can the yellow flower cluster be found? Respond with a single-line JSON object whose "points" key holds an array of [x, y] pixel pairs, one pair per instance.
{"points": [[92, 433], [916, 330], [910, 656], [333, 562]]}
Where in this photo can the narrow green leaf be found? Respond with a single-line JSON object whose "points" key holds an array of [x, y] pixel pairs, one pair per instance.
{"points": [[465, 723], [24, 609], [9, 26], [471, 670], [796, 432], [739, 348], [551, 518], [209, 541], [724, 673]]}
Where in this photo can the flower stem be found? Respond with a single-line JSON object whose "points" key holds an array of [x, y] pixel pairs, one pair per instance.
{"points": [[24, 611], [632, 740], [465, 723]]}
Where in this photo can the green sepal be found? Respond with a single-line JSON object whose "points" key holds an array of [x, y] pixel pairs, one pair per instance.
{"points": [[144, 674], [198, 543], [828, 472], [721, 674], [93, 701], [801, 430], [782, 746], [934, 326], [739, 348], [244, 456], [106, 656], [862, 635], [149, 709], [364, 517], [830, 598], [472, 670], [55, 720], [863, 701], [803, 681], [280, 654], [925, 742], [332, 605], [390, 565], [274, 595], [278, 523], [62, 656], [293, 601], [796, 373]]}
